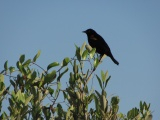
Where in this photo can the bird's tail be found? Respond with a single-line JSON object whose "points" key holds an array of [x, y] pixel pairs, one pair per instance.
{"points": [[114, 60]]}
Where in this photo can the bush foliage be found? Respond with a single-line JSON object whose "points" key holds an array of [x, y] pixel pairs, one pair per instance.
{"points": [[29, 90]]}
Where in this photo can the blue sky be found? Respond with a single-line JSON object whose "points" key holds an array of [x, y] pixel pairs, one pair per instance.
{"points": [[131, 28]]}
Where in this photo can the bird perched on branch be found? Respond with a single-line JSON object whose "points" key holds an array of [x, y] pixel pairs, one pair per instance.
{"points": [[96, 41]]}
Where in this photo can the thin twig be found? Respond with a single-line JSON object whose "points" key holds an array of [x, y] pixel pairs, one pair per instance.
{"points": [[39, 67], [8, 75]]}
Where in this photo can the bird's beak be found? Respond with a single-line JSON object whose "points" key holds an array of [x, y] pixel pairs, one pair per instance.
{"points": [[84, 31]]}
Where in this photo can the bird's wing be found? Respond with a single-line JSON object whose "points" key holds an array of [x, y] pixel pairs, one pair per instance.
{"points": [[103, 47], [103, 42]]}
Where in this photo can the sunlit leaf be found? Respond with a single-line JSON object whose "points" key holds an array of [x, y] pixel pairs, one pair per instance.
{"points": [[102, 75], [59, 85], [82, 48], [52, 65], [88, 47], [26, 63], [85, 54], [19, 66], [104, 102], [92, 52], [56, 92], [96, 63], [106, 75], [28, 99], [78, 95], [66, 61], [36, 56], [75, 67]]}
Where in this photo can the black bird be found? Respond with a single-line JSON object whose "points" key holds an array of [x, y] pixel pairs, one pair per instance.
{"points": [[96, 41]]}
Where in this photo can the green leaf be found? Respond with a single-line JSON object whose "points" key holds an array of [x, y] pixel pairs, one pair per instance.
{"points": [[99, 80], [78, 54], [65, 61], [36, 56], [34, 75], [27, 63], [86, 89], [96, 63], [56, 93], [50, 77], [19, 66], [104, 103], [51, 91], [148, 106], [104, 92], [141, 107], [11, 69], [107, 81], [85, 54], [106, 75], [98, 94], [28, 99], [144, 105], [59, 85], [82, 48], [2, 85], [115, 100], [88, 47], [12, 82], [61, 74], [91, 97], [20, 96], [102, 75], [76, 46], [59, 110], [75, 67], [6, 65], [52, 65], [24, 111], [65, 95], [22, 58], [96, 102], [92, 52]]}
